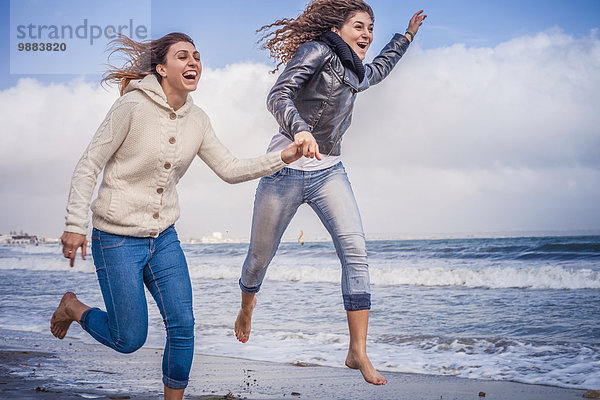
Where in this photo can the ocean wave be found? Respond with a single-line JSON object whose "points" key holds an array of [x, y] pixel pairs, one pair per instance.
{"points": [[545, 277], [526, 263], [491, 277], [47, 263], [550, 248], [499, 251]]}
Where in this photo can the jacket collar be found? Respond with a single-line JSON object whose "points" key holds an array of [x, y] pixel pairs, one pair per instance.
{"points": [[348, 57], [150, 86]]}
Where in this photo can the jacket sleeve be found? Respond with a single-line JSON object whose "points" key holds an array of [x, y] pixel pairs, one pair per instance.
{"points": [[308, 59], [383, 64], [230, 168], [108, 138]]}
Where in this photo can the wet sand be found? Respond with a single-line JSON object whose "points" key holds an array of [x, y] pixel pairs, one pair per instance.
{"points": [[38, 366]]}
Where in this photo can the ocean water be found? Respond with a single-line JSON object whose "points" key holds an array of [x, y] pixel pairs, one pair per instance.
{"points": [[519, 309]]}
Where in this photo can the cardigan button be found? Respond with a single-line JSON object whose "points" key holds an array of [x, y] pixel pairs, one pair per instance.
{"points": [[154, 234], [167, 165], [173, 116], [172, 140], [160, 190], [155, 215]]}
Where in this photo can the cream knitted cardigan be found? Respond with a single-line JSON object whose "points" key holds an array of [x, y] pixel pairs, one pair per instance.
{"points": [[145, 147]]}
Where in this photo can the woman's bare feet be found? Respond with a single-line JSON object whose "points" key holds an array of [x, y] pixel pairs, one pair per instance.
{"points": [[358, 323], [362, 363], [243, 321], [69, 309]]}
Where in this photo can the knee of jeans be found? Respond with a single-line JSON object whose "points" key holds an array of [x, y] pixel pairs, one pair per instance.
{"points": [[258, 262], [352, 246], [352, 239], [182, 325], [130, 343]]}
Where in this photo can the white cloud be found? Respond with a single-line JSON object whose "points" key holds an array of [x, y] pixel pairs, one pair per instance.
{"points": [[457, 139]]}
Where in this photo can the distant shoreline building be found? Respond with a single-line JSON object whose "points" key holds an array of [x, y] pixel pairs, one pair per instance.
{"points": [[22, 238], [216, 237]]}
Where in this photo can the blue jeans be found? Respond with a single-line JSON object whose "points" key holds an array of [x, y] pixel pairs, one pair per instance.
{"points": [[124, 264], [330, 195]]}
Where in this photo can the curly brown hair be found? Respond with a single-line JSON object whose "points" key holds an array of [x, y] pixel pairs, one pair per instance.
{"points": [[141, 58], [283, 37]]}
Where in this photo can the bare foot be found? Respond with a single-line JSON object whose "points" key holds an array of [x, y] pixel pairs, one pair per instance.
{"points": [[244, 321], [362, 362], [63, 316]]}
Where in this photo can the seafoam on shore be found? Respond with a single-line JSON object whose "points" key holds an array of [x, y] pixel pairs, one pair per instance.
{"points": [[38, 366]]}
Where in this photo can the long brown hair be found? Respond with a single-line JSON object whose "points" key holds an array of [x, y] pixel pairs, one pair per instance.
{"points": [[283, 37], [141, 58]]}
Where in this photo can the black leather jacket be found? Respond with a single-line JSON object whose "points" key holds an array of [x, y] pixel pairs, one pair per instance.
{"points": [[316, 93]]}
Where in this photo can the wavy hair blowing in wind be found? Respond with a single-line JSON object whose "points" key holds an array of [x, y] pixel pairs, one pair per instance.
{"points": [[283, 37], [141, 58]]}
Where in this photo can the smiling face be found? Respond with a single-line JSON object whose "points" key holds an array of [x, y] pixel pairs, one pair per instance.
{"points": [[182, 68], [357, 31]]}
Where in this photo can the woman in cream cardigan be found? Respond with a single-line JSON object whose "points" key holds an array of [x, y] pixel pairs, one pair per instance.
{"points": [[145, 144]]}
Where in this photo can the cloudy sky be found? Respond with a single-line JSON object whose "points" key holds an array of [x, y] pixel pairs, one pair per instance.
{"points": [[489, 124]]}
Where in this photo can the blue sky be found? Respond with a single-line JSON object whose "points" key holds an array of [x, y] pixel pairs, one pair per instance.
{"points": [[224, 31], [488, 124]]}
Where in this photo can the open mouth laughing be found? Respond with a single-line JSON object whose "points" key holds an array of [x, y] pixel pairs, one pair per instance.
{"points": [[190, 75]]}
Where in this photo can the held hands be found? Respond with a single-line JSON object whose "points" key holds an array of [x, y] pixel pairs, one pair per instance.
{"points": [[304, 145], [71, 242], [309, 145], [413, 25]]}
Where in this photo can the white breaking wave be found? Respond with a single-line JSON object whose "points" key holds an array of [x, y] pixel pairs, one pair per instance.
{"points": [[492, 277], [546, 277], [55, 263]]}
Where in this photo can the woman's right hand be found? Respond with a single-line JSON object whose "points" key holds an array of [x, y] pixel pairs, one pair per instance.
{"points": [[71, 242], [310, 148]]}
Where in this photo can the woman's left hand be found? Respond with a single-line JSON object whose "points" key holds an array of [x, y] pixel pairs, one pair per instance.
{"points": [[415, 22]]}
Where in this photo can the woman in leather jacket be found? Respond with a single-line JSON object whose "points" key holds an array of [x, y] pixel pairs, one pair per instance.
{"points": [[312, 102]]}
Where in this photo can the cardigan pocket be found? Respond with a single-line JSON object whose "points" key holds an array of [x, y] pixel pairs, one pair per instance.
{"points": [[103, 204], [116, 211]]}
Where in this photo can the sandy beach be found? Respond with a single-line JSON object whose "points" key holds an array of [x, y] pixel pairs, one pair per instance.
{"points": [[38, 366]]}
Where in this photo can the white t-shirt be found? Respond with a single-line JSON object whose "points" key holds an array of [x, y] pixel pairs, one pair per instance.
{"points": [[280, 142]]}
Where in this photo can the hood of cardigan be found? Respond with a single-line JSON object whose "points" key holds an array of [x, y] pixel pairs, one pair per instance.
{"points": [[150, 86]]}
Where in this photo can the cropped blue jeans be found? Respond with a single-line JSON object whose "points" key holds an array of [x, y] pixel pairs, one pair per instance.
{"points": [[330, 195], [124, 264]]}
